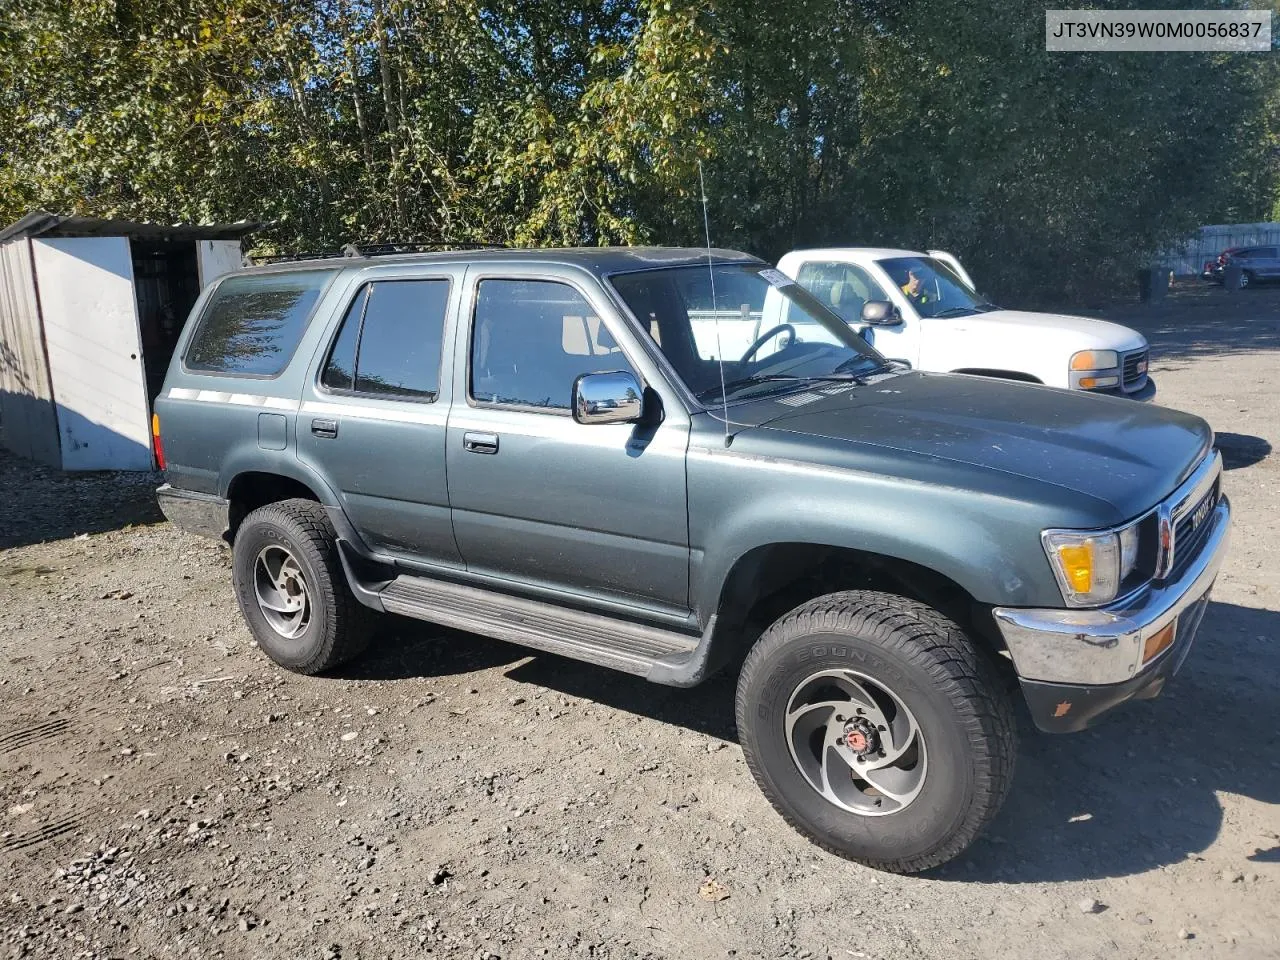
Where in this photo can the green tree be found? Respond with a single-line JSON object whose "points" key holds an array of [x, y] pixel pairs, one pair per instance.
{"points": [[900, 122]]}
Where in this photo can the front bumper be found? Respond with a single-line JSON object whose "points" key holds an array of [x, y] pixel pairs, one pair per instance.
{"points": [[1147, 391], [1075, 665], [200, 513]]}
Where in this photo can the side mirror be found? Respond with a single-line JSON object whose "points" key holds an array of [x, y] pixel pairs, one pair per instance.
{"points": [[615, 397], [880, 313]]}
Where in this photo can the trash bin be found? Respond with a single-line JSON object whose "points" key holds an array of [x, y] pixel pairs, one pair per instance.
{"points": [[1153, 283], [1231, 275]]}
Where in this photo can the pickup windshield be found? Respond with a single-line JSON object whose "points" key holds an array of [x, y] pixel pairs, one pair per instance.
{"points": [[733, 312], [933, 288]]}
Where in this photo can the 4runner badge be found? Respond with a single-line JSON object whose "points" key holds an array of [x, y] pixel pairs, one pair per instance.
{"points": [[1201, 513]]}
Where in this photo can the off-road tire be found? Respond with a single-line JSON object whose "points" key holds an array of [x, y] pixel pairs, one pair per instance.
{"points": [[340, 626], [956, 695]]}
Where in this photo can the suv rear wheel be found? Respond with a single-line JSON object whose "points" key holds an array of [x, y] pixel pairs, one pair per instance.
{"points": [[292, 590], [875, 727]]}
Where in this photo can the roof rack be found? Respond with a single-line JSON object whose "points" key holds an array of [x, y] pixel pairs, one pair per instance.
{"points": [[352, 251]]}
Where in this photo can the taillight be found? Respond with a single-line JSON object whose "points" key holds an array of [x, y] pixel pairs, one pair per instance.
{"points": [[156, 444]]}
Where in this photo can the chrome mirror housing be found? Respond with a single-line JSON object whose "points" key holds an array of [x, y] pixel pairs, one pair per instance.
{"points": [[615, 397]]}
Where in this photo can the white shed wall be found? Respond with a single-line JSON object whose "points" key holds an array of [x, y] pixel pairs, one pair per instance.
{"points": [[95, 352], [215, 258], [27, 423]]}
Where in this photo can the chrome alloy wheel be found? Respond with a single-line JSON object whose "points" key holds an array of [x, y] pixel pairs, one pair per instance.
{"points": [[856, 742], [282, 592]]}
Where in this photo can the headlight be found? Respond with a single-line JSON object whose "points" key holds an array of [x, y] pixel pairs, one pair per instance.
{"points": [[1090, 567], [1095, 369], [1095, 360], [1128, 550]]}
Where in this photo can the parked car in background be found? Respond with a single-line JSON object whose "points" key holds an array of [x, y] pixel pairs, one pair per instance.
{"points": [[919, 309], [534, 445], [1257, 264]]}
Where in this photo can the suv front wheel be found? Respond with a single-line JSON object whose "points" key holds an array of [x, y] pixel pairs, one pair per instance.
{"points": [[875, 727], [292, 591]]}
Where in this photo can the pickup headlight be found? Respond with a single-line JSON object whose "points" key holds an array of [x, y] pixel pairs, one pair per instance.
{"points": [[1091, 566], [1095, 369]]}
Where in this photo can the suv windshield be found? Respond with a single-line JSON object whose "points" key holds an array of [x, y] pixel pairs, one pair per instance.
{"points": [[933, 288], [734, 312]]}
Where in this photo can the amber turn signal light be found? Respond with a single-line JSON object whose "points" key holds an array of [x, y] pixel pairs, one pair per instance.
{"points": [[156, 446], [1158, 642]]}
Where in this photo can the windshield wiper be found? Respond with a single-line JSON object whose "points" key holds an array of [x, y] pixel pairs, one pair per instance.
{"points": [[836, 375], [956, 312], [712, 392], [880, 366]]}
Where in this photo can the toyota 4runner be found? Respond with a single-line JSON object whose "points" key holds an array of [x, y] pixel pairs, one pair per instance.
{"points": [[533, 445]]}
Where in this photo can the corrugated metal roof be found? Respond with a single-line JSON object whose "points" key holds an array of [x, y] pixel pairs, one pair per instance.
{"points": [[41, 224]]}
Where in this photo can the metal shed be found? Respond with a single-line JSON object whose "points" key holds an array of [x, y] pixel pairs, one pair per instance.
{"points": [[90, 311]]}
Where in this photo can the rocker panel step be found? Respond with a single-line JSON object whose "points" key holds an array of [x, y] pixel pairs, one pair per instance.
{"points": [[618, 644]]}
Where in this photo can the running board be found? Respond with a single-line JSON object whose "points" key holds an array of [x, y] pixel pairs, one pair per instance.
{"points": [[664, 656]]}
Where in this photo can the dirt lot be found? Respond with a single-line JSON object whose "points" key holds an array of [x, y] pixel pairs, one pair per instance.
{"points": [[165, 791]]}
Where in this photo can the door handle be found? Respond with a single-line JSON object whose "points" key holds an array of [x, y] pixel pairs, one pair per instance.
{"points": [[480, 442], [327, 429]]}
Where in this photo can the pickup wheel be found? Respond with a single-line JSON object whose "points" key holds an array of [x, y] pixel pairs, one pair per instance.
{"points": [[292, 590], [876, 728]]}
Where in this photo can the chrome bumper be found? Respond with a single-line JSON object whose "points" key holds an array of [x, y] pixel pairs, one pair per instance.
{"points": [[1104, 646], [194, 512]]}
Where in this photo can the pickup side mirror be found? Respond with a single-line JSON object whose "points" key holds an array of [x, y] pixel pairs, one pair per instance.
{"points": [[880, 313], [615, 397]]}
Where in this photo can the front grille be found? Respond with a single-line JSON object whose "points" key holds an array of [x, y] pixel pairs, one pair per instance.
{"points": [[1190, 530], [1135, 368]]}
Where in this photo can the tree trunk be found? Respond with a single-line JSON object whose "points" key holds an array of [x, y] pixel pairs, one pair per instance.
{"points": [[384, 63]]}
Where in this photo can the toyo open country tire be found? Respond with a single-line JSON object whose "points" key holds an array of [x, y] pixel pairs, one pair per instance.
{"points": [[292, 591], [896, 680]]}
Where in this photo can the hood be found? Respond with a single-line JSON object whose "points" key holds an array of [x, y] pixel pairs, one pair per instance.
{"points": [[980, 432], [1079, 333]]}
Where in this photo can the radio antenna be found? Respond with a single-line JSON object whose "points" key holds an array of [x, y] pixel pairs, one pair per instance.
{"points": [[715, 309]]}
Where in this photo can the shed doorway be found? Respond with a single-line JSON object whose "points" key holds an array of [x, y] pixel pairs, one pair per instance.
{"points": [[166, 283]]}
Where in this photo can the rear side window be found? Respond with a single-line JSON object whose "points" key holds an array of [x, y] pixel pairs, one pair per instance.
{"points": [[389, 342], [844, 287], [340, 371], [252, 324]]}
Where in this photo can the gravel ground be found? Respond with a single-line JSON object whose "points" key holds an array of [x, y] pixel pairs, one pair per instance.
{"points": [[165, 791]]}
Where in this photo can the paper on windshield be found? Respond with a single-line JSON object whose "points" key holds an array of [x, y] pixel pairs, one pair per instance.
{"points": [[777, 279]]}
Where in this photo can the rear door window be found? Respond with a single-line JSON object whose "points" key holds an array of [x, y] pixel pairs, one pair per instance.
{"points": [[252, 324], [843, 287], [389, 342]]}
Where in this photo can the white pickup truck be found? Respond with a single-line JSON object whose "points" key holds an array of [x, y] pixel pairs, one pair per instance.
{"points": [[938, 322], [923, 309]]}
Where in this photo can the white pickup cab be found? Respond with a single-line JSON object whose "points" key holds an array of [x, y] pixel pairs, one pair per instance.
{"points": [[936, 321]]}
